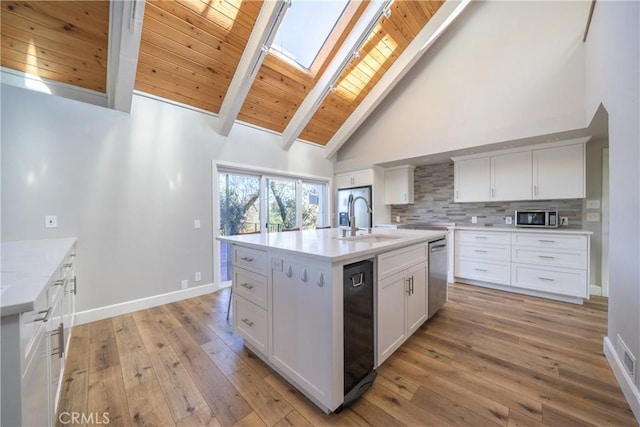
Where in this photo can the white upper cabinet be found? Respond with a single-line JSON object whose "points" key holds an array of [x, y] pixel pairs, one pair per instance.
{"points": [[511, 176], [359, 178], [542, 172], [472, 180], [398, 185], [559, 172]]}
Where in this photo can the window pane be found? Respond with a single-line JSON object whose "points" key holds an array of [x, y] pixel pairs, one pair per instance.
{"points": [[313, 206], [239, 212], [281, 204]]}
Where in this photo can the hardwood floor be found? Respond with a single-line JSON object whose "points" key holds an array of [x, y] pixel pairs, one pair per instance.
{"points": [[488, 358]]}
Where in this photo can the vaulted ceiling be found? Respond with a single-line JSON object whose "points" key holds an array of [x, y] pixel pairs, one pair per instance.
{"points": [[190, 51]]}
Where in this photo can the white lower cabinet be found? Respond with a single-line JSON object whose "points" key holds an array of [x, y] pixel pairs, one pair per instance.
{"points": [[552, 264], [36, 409], [302, 315], [402, 297]]}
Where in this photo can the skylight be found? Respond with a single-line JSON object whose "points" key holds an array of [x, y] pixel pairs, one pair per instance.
{"points": [[305, 29]]}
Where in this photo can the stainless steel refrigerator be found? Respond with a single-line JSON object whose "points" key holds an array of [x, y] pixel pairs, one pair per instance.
{"points": [[363, 218]]}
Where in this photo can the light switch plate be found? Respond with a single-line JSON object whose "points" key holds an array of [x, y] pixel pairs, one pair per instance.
{"points": [[51, 221], [474, 220], [197, 276], [196, 224], [593, 216], [184, 284], [593, 204]]}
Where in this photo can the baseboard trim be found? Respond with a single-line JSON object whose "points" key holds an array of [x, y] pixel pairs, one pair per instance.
{"points": [[100, 313], [595, 290], [522, 291], [629, 389]]}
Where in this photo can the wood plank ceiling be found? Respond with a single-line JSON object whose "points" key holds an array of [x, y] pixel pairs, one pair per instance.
{"points": [[190, 50], [63, 41]]}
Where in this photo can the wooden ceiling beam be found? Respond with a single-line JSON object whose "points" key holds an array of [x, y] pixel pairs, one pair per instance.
{"points": [[264, 30], [125, 31], [425, 38], [341, 60]]}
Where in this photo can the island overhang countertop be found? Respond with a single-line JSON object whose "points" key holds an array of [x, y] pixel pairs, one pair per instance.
{"points": [[328, 244]]}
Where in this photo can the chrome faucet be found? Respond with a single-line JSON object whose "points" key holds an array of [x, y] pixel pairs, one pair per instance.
{"points": [[352, 213]]}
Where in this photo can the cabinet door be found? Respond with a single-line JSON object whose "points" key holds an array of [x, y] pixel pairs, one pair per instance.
{"points": [[344, 180], [511, 176], [362, 178], [398, 186], [36, 410], [417, 298], [391, 315], [559, 172], [302, 314], [56, 338], [472, 180]]}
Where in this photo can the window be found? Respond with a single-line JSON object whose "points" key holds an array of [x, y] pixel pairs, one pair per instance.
{"points": [[250, 202], [305, 28]]}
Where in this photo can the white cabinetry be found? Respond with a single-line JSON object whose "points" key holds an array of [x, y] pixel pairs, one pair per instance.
{"points": [[547, 171], [302, 315], [559, 172], [398, 185], [472, 180], [511, 176], [359, 178], [250, 288], [402, 297], [549, 264], [34, 341], [484, 256]]}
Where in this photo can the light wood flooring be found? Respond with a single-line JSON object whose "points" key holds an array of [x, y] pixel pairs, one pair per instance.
{"points": [[488, 358]]}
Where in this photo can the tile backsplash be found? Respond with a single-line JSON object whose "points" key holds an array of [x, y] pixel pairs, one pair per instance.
{"points": [[433, 202]]}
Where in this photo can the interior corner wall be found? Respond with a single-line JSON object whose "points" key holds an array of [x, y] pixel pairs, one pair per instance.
{"points": [[129, 187], [505, 70], [612, 70]]}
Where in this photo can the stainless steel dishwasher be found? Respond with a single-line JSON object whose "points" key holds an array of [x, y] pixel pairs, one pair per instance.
{"points": [[437, 276]]}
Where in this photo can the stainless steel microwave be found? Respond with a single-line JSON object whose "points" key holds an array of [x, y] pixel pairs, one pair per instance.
{"points": [[542, 219]]}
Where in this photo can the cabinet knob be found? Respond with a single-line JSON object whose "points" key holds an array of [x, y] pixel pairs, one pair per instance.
{"points": [[304, 276]]}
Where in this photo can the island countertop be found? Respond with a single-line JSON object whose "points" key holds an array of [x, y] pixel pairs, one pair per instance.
{"points": [[328, 244], [27, 266]]}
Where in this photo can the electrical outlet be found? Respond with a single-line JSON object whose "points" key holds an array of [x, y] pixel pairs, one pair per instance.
{"points": [[184, 284], [196, 224], [50, 221], [564, 220], [197, 276], [593, 204], [474, 220], [593, 216], [508, 220]]}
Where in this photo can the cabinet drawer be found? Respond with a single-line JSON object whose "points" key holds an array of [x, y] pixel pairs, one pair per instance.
{"points": [[495, 253], [31, 322], [393, 262], [566, 258], [251, 323], [250, 259], [493, 272], [483, 237], [250, 285], [550, 279], [550, 240]]}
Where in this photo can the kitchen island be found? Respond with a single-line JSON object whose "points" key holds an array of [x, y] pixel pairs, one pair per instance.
{"points": [[288, 293]]}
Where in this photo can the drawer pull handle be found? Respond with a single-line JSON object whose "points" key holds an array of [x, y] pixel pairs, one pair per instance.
{"points": [[248, 322], [75, 285], [45, 318], [546, 241], [304, 276], [321, 280], [246, 258], [58, 283], [481, 251], [481, 237], [546, 279], [408, 282], [480, 269], [68, 265], [289, 272], [72, 255], [246, 285], [546, 257], [360, 280]]}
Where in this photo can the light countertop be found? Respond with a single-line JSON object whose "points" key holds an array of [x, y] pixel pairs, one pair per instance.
{"points": [[513, 229], [327, 244], [27, 266]]}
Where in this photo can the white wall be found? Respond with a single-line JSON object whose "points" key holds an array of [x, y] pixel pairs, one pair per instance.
{"points": [[612, 77], [128, 186], [505, 70]]}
